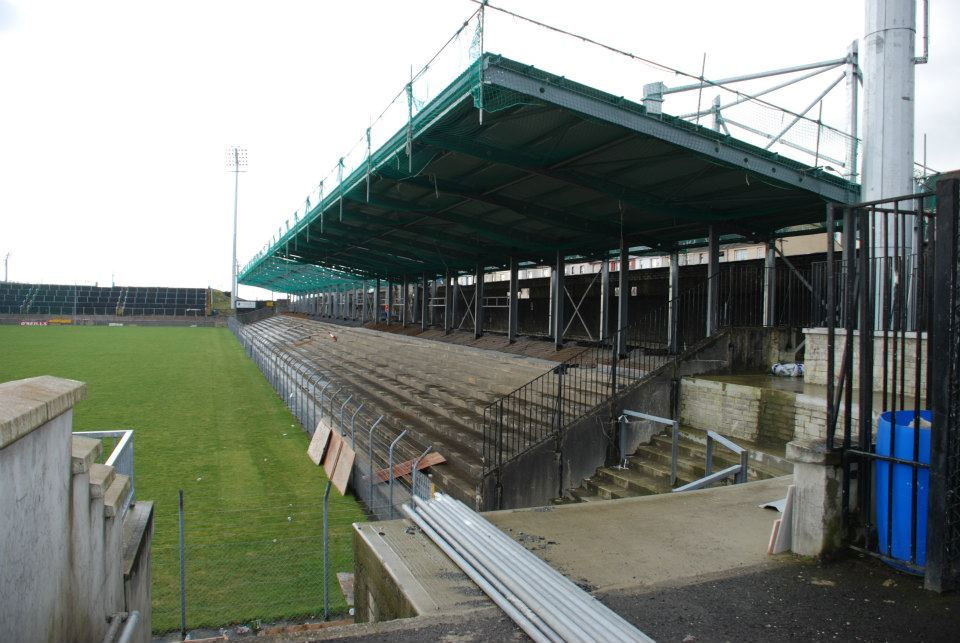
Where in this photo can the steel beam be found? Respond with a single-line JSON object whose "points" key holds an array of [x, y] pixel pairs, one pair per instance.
{"points": [[557, 297], [478, 303], [713, 280], [404, 301], [604, 299], [512, 308], [770, 285], [673, 309]]}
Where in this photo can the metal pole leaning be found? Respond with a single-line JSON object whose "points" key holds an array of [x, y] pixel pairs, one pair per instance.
{"points": [[390, 464], [353, 427], [326, 554], [370, 462]]}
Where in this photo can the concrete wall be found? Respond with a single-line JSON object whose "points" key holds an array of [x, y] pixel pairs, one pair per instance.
{"points": [[712, 405], [61, 559], [377, 595], [816, 353]]}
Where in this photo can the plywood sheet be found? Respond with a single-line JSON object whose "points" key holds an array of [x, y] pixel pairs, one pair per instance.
{"points": [[318, 444]]}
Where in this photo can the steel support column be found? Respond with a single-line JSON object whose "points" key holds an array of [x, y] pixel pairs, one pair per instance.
{"points": [[455, 304], [448, 300], [770, 285], [415, 303], [673, 308], [424, 301], [389, 301], [512, 307], [623, 299], [604, 300], [713, 280], [376, 301], [404, 301], [478, 304], [556, 297]]}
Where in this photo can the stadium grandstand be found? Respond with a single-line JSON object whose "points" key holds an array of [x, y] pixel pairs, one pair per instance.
{"points": [[60, 299]]}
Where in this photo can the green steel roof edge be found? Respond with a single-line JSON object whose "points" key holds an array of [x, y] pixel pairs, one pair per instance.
{"points": [[466, 84]]}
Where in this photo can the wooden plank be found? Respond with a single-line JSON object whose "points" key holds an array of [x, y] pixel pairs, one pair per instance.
{"points": [[319, 442], [333, 454], [404, 468], [343, 468]]}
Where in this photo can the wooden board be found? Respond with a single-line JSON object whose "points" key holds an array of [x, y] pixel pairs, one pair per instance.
{"points": [[333, 454], [343, 468], [318, 444], [404, 468]]}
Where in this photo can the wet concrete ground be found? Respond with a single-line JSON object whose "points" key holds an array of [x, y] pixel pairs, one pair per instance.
{"points": [[854, 599]]}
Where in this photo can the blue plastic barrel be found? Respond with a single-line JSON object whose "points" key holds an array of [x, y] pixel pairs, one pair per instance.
{"points": [[894, 535]]}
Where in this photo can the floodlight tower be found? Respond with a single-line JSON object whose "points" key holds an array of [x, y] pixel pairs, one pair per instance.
{"points": [[6, 267], [236, 163]]}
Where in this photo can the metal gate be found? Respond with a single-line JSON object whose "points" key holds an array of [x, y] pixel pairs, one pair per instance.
{"points": [[893, 398]]}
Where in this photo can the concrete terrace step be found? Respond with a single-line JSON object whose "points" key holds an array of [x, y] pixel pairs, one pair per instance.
{"points": [[116, 495], [101, 477], [638, 482], [607, 490], [83, 453]]}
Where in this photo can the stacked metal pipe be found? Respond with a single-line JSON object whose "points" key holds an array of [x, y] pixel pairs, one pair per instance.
{"points": [[540, 600]]}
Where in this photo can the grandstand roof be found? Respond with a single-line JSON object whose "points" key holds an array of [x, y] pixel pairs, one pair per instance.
{"points": [[551, 165]]}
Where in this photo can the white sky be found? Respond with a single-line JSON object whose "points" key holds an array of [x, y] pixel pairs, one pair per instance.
{"points": [[115, 114]]}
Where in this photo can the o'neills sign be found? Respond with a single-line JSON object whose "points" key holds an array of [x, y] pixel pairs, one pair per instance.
{"points": [[33, 323]]}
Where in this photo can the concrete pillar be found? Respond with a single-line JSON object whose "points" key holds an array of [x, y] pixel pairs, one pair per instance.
{"points": [[713, 280], [770, 285], [673, 308], [512, 308], [604, 300], [447, 303], [817, 519], [557, 297], [404, 301], [478, 304]]}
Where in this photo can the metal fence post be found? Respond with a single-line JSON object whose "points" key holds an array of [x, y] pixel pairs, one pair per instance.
{"points": [[183, 578], [709, 465], [326, 554], [674, 448], [353, 427], [390, 464], [413, 472], [342, 406], [370, 461]]}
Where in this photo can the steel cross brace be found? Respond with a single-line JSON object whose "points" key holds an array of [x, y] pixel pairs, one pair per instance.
{"points": [[577, 305]]}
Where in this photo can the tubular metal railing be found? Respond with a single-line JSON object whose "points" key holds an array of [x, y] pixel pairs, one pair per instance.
{"points": [[737, 471]]}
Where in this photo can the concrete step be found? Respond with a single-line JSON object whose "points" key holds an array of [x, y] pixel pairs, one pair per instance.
{"points": [[116, 495], [101, 477], [581, 494], [607, 490], [638, 482], [83, 453]]}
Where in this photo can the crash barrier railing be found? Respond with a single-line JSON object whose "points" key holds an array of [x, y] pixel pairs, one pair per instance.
{"points": [[120, 458], [737, 471]]}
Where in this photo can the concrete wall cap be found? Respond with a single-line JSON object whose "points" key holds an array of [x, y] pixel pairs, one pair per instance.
{"points": [[811, 452], [30, 403]]}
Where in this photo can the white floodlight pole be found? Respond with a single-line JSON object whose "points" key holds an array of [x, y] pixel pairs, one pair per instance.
{"points": [[6, 267], [236, 162]]}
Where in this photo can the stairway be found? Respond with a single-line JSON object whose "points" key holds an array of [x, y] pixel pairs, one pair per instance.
{"points": [[648, 470], [103, 482]]}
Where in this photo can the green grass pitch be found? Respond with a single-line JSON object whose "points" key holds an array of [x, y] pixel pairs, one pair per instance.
{"points": [[207, 422]]}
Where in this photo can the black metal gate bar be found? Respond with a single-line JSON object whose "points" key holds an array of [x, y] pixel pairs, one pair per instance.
{"points": [[885, 290], [943, 517]]}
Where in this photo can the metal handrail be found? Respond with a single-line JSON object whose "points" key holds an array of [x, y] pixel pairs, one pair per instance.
{"points": [[738, 471], [674, 438]]}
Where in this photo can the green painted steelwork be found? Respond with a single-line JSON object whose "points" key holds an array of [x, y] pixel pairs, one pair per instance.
{"points": [[553, 165]]}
